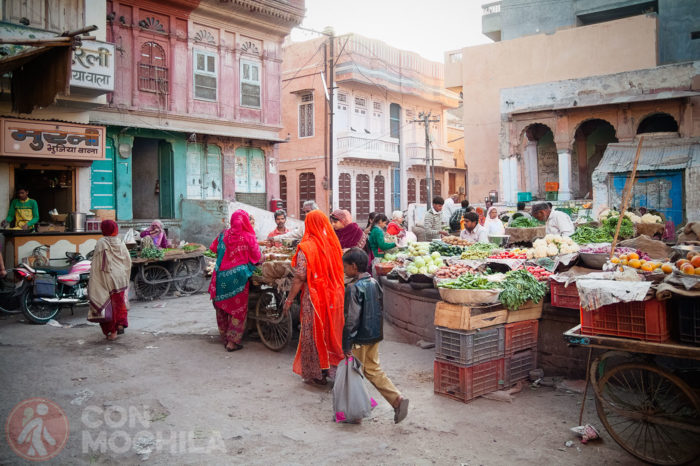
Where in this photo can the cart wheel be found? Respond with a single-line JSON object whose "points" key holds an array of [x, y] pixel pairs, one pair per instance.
{"points": [[191, 283], [274, 326], [652, 414], [152, 273]]}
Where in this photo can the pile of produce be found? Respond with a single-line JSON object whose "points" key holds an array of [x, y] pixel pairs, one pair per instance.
{"points": [[388, 257], [604, 234], [209, 253], [189, 247], [455, 241], [478, 251], [552, 245], [516, 253], [519, 287], [631, 216], [525, 222], [445, 249], [540, 273], [452, 271], [688, 266], [418, 249], [426, 265], [152, 253], [470, 281]]}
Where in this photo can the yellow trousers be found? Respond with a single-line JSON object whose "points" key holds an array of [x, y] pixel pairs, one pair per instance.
{"points": [[368, 355]]}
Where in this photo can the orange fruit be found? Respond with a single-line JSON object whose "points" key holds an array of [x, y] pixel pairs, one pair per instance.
{"points": [[635, 263], [624, 257], [695, 261], [697, 271], [690, 255], [632, 255], [647, 267], [688, 269], [624, 262], [681, 262], [667, 268], [615, 260]]}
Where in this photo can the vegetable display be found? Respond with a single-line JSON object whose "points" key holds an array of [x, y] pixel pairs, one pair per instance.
{"points": [[519, 287], [540, 273], [585, 234], [453, 271], [469, 281], [525, 222], [445, 249], [456, 241], [152, 253], [512, 254], [552, 245], [478, 251]]}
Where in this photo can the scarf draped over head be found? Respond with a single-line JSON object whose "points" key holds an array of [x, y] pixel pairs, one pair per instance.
{"points": [[109, 228], [480, 213], [240, 237], [324, 272], [494, 225], [159, 237], [350, 235]]}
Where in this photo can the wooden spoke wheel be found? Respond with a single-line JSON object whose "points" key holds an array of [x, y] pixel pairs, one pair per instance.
{"points": [[188, 276], [652, 414], [274, 326], [152, 282]]}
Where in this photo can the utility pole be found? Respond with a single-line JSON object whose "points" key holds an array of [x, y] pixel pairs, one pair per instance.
{"points": [[424, 118], [331, 92]]}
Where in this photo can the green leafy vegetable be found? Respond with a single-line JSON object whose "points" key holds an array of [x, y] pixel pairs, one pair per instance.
{"points": [[478, 251], [525, 222], [152, 253], [519, 287], [469, 281]]}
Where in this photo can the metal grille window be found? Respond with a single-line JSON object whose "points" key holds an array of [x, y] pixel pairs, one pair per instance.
{"points": [[379, 204], [437, 188], [411, 190], [307, 191], [306, 116], [360, 105], [362, 202], [250, 84], [423, 192], [344, 192], [153, 69], [205, 77], [283, 190]]}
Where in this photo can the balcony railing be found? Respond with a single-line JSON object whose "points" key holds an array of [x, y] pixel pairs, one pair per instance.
{"points": [[443, 156], [351, 145], [490, 8]]}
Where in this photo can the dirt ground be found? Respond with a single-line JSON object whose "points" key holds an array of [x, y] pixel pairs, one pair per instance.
{"points": [[167, 392]]}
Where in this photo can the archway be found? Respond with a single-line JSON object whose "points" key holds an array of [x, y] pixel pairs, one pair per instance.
{"points": [[658, 123], [591, 139], [540, 156]]}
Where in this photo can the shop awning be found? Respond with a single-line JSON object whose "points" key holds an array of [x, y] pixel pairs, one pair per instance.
{"points": [[660, 154]]}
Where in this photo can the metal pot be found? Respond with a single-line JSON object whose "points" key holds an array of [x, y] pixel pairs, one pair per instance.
{"points": [[76, 222]]}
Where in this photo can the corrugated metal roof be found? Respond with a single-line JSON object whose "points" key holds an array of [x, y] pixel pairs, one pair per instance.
{"points": [[656, 155]]}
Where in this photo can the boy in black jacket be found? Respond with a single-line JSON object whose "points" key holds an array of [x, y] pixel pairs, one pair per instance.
{"points": [[364, 319]]}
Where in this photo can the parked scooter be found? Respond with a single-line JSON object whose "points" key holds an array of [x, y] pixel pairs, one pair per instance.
{"points": [[45, 289]]}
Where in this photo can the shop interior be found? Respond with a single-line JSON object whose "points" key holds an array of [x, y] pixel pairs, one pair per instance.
{"points": [[51, 188]]}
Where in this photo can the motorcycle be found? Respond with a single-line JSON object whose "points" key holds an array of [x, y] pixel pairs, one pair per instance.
{"points": [[10, 294], [44, 289]]}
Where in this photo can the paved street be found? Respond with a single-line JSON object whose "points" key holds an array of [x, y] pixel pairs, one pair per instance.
{"points": [[168, 393]]}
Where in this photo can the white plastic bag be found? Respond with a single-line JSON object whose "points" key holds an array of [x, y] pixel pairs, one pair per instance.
{"points": [[130, 237], [351, 400]]}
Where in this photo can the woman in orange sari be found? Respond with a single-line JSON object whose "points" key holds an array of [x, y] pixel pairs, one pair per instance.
{"points": [[318, 275]]}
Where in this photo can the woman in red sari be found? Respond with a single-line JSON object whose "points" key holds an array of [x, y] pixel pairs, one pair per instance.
{"points": [[237, 252], [318, 274], [109, 279]]}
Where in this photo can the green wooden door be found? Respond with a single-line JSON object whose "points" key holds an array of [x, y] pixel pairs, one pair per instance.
{"points": [[102, 176], [165, 176]]}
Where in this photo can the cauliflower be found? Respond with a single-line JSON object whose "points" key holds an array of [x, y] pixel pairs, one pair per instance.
{"points": [[633, 217], [540, 249], [530, 253], [607, 213], [539, 243], [649, 218], [552, 250]]}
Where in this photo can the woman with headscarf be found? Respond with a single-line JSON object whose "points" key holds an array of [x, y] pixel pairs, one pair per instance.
{"points": [[109, 279], [482, 217], [493, 225], [394, 228], [349, 233], [157, 234], [237, 252], [318, 275]]}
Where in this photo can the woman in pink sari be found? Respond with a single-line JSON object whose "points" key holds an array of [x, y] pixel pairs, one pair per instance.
{"points": [[237, 252]]}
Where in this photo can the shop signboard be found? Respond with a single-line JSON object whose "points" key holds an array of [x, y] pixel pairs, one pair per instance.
{"points": [[93, 67], [51, 140]]}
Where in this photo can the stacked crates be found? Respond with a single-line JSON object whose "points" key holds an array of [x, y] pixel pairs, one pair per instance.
{"points": [[469, 360], [520, 350]]}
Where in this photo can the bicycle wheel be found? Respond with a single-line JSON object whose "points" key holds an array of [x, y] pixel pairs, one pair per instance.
{"points": [[160, 280], [37, 311], [274, 326], [650, 413], [191, 283]]}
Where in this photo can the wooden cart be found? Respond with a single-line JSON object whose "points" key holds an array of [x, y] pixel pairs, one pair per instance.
{"points": [[153, 278], [647, 401], [265, 307]]}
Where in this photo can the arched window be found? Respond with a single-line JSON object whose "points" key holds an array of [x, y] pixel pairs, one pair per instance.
{"points": [[362, 201], [283, 190], [411, 190], [423, 192], [345, 192], [307, 191], [437, 188], [658, 123], [379, 204], [153, 69]]}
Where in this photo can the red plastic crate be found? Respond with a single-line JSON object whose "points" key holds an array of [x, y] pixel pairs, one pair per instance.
{"points": [[564, 296], [518, 366], [521, 336], [643, 320], [466, 383]]}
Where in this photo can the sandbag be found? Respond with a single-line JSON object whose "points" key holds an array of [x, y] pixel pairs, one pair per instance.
{"points": [[690, 233], [525, 235], [654, 249], [274, 270]]}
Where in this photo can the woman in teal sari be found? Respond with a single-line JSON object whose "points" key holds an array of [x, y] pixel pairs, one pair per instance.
{"points": [[237, 252]]}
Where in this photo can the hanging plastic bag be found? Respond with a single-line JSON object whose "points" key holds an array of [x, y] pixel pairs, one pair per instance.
{"points": [[130, 236], [351, 400]]}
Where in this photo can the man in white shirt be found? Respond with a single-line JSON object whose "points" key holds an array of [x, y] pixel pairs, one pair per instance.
{"points": [[474, 232], [449, 208], [557, 223]]}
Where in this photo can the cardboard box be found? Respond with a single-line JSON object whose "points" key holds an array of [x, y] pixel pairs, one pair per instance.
{"points": [[106, 214], [50, 228]]}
